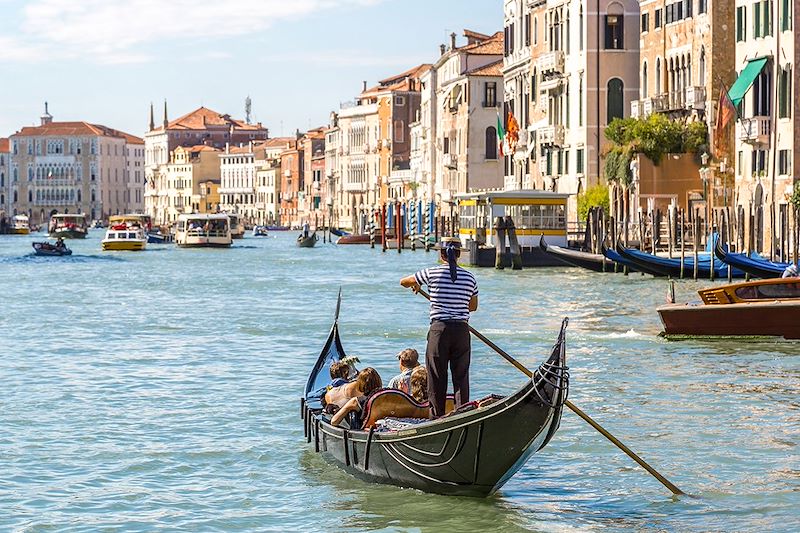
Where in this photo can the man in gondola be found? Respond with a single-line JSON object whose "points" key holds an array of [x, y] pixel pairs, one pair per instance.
{"points": [[454, 294]]}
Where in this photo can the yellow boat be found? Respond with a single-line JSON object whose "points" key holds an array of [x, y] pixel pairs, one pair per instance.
{"points": [[124, 235], [20, 225]]}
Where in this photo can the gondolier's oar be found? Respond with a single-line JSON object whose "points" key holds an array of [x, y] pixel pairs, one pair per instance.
{"points": [[664, 481]]}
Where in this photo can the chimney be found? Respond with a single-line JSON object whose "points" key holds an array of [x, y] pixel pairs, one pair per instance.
{"points": [[364, 86], [47, 118], [442, 49], [453, 41]]}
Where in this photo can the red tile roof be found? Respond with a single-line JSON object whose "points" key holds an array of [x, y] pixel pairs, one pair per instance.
{"points": [[490, 46], [204, 118], [4, 145], [75, 129], [492, 69], [399, 82]]}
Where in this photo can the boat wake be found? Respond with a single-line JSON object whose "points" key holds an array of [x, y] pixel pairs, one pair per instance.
{"points": [[630, 334]]}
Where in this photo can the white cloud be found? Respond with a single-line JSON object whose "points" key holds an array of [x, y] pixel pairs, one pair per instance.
{"points": [[114, 31]]}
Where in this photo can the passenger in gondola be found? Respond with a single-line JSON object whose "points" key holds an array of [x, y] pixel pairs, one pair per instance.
{"points": [[453, 294], [353, 396], [419, 384], [409, 360], [339, 373]]}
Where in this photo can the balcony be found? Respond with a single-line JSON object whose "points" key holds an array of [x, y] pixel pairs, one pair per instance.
{"points": [[543, 171], [636, 108], [450, 160], [655, 104], [695, 98], [551, 62], [754, 130], [551, 135], [676, 99]]}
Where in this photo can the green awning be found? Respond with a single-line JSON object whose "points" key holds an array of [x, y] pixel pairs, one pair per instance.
{"points": [[746, 79]]}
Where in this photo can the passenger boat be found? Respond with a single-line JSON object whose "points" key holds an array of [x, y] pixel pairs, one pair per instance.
{"points": [[590, 261], [307, 242], [48, 249], [755, 265], [769, 307], [665, 266], [20, 225], [472, 451], [237, 228], [260, 231], [203, 230], [124, 236], [68, 226]]}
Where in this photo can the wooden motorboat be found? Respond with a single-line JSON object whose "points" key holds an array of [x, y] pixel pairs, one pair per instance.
{"points": [[768, 307], [359, 238], [595, 262], [754, 264], [48, 249], [471, 451], [665, 266], [307, 241]]}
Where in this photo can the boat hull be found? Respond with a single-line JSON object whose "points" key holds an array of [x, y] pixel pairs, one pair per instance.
{"points": [[589, 261], [118, 245], [758, 268], [20, 231], [664, 266], [68, 234], [774, 318], [49, 251], [307, 242]]}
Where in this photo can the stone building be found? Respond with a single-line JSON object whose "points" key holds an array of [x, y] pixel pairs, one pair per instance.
{"points": [[765, 138], [268, 180], [583, 71], [314, 193], [202, 126], [292, 183], [5, 159], [73, 167], [181, 185]]}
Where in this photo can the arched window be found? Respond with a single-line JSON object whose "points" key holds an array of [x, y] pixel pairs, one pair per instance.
{"points": [[491, 143], [16, 197], [30, 196], [644, 79], [658, 77], [614, 100], [701, 78]]}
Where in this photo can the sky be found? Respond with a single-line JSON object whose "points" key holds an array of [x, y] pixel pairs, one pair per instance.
{"points": [[105, 61]]}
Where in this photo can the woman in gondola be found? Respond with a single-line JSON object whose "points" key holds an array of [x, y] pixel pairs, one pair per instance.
{"points": [[351, 397]]}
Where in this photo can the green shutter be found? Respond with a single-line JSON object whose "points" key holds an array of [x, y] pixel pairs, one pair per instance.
{"points": [[757, 20], [746, 79]]}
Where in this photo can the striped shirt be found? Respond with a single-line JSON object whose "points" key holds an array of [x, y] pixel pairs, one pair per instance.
{"points": [[449, 300]]}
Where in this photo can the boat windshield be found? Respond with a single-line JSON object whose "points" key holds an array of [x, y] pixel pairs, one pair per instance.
{"points": [[776, 291]]}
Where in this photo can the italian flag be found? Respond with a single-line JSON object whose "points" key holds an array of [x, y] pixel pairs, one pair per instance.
{"points": [[501, 134]]}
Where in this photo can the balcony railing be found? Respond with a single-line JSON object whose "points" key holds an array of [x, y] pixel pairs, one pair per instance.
{"points": [[754, 130], [450, 160], [551, 62], [551, 135], [695, 97], [636, 108]]}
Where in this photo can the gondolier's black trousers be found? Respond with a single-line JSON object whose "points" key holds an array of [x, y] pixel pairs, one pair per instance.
{"points": [[448, 346]]}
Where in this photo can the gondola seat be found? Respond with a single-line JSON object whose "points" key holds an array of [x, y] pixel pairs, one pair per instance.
{"points": [[397, 404]]}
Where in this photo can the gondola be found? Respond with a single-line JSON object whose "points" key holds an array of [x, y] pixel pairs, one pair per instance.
{"points": [[339, 232], [664, 266], [47, 249], [469, 452], [755, 265], [595, 262], [614, 257], [307, 241]]}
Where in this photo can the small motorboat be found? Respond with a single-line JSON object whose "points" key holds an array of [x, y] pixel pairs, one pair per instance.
{"points": [[307, 241], [20, 225], [260, 231], [769, 307], [124, 236], [472, 451], [49, 249]]}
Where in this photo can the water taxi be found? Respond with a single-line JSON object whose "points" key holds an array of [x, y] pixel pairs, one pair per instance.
{"points": [[769, 307], [125, 232], [237, 228], [203, 230], [20, 225], [68, 226], [533, 212]]}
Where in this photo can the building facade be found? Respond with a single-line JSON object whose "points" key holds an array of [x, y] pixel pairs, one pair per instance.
{"points": [[202, 126], [292, 183], [765, 138], [5, 159], [72, 167], [179, 185]]}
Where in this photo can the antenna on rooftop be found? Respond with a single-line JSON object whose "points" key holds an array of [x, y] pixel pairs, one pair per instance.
{"points": [[248, 106]]}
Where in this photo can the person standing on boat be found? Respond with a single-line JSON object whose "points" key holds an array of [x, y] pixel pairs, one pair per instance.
{"points": [[454, 294], [306, 229]]}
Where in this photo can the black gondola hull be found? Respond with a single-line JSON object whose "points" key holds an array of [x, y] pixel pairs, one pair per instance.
{"points": [[589, 261]]}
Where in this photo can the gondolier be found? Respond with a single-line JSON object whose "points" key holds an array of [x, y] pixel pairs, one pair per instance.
{"points": [[454, 294]]}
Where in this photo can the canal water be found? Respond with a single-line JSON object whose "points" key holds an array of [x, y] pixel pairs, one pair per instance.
{"points": [[159, 391]]}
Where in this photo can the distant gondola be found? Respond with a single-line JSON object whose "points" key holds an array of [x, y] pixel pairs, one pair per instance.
{"points": [[470, 452], [754, 265], [595, 262], [307, 241], [664, 266], [339, 232]]}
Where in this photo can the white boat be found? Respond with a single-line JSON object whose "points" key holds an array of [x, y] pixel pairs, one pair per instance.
{"points": [[260, 231], [237, 228], [68, 226], [124, 234], [20, 225], [203, 230]]}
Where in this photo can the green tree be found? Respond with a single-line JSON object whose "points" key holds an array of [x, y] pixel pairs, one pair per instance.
{"points": [[594, 196]]}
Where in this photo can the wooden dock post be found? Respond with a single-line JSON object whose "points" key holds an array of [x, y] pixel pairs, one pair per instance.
{"points": [[670, 230], [683, 242], [413, 225], [372, 228], [513, 243], [427, 219], [500, 243], [398, 227], [383, 227], [696, 242]]}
